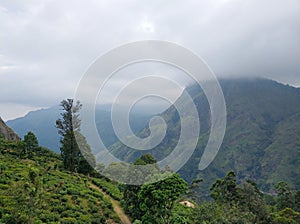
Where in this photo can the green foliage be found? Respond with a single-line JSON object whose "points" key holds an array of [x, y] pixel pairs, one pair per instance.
{"points": [[153, 202], [193, 191], [182, 214], [31, 145], [145, 159], [214, 213], [131, 201], [109, 187], [157, 199], [285, 197], [32, 191], [225, 190], [250, 199], [287, 216], [246, 197]]}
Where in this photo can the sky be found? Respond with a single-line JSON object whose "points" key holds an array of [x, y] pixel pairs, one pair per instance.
{"points": [[46, 46]]}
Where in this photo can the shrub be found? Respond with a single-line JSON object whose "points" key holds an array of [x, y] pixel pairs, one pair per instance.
{"points": [[68, 220]]}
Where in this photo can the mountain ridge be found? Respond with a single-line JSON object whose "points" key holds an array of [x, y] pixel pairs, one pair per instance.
{"points": [[262, 123]]}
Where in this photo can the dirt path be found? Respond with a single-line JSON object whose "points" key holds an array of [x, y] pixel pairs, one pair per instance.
{"points": [[116, 205]]}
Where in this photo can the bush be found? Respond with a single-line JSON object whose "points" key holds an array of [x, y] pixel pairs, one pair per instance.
{"points": [[48, 217], [64, 199], [93, 209], [287, 216], [68, 220], [58, 209]]}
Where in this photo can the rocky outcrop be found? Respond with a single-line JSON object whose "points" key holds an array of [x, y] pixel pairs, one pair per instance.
{"points": [[7, 133]]}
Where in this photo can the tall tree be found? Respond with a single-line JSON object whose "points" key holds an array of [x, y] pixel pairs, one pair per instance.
{"points": [[31, 144], [68, 127]]}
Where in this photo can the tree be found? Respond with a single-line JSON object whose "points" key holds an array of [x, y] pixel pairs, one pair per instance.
{"points": [[193, 190], [285, 197], [31, 145], [157, 199], [252, 200], [131, 201], [86, 160], [287, 216], [211, 212], [225, 190], [68, 127], [145, 159]]}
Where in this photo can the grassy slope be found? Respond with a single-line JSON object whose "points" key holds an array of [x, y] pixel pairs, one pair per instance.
{"points": [[60, 198]]}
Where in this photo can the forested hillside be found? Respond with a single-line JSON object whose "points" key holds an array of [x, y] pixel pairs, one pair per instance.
{"points": [[262, 140]]}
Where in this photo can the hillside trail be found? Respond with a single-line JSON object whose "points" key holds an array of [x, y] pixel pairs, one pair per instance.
{"points": [[116, 205]]}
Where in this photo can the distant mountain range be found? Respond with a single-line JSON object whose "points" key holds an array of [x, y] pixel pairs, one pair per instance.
{"points": [[42, 124], [262, 140]]}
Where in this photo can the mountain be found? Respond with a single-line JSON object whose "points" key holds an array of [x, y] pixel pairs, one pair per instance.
{"points": [[262, 139], [42, 124], [7, 133]]}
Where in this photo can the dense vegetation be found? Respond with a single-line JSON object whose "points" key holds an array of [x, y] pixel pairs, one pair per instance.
{"points": [[171, 201], [35, 188]]}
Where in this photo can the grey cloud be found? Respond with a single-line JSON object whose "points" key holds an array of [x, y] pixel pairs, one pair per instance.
{"points": [[46, 46]]}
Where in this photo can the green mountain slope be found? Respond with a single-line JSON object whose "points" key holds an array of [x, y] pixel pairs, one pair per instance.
{"points": [[282, 157], [262, 135], [37, 190]]}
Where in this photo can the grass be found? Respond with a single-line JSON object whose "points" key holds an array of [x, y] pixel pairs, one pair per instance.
{"points": [[37, 191]]}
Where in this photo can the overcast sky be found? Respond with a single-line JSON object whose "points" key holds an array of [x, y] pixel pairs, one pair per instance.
{"points": [[46, 46]]}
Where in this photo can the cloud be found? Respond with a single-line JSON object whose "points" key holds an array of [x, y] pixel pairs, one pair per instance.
{"points": [[46, 46]]}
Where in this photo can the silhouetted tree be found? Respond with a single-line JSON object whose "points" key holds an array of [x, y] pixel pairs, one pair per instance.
{"points": [[68, 127]]}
